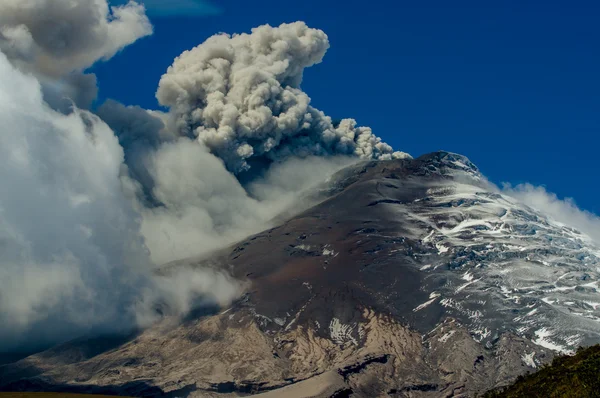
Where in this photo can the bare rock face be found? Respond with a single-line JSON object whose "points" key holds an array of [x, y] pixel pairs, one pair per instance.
{"points": [[226, 356], [411, 278]]}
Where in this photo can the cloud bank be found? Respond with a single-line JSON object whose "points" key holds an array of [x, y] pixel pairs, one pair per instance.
{"points": [[66, 230], [73, 257]]}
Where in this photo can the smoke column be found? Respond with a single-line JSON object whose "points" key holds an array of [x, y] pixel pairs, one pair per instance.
{"points": [[240, 96]]}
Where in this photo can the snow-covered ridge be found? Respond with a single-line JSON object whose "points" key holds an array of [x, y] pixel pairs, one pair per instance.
{"points": [[452, 164], [543, 277]]}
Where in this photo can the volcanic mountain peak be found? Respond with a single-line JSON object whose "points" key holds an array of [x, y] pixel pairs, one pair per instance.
{"points": [[446, 161], [411, 277]]}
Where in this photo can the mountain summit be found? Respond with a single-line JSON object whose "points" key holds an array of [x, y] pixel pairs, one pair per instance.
{"points": [[409, 278]]}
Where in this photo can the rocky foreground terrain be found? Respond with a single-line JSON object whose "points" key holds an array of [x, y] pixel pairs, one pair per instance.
{"points": [[410, 278]]}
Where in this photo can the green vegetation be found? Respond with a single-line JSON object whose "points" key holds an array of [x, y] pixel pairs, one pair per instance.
{"points": [[575, 376]]}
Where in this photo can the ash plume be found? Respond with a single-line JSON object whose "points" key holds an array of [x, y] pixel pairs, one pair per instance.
{"points": [[235, 104], [240, 96]]}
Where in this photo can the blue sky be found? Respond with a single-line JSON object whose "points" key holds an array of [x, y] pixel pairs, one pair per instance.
{"points": [[172, 8], [513, 85]]}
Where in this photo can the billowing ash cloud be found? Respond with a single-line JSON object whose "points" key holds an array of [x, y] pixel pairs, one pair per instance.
{"points": [[58, 39], [98, 201], [140, 132], [221, 120], [188, 201], [240, 96]]}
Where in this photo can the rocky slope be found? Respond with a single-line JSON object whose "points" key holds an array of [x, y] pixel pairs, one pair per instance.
{"points": [[411, 278]]}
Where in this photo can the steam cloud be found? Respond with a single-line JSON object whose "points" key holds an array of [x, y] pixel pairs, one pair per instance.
{"points": [[69, 242], [57, 40]]}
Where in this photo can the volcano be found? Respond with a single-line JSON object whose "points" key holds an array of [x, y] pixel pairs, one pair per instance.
{"points": [[408, 278]]}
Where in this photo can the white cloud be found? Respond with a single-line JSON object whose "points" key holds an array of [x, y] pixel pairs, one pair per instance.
{"points": [[564, 211], [72, 257], [58, 39], [68, 235]]}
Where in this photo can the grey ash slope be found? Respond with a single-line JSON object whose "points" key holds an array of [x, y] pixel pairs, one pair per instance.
{"points": [[413, 278]]}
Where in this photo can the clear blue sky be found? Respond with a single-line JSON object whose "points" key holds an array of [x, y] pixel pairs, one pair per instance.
{"points": [[513, 85]]}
